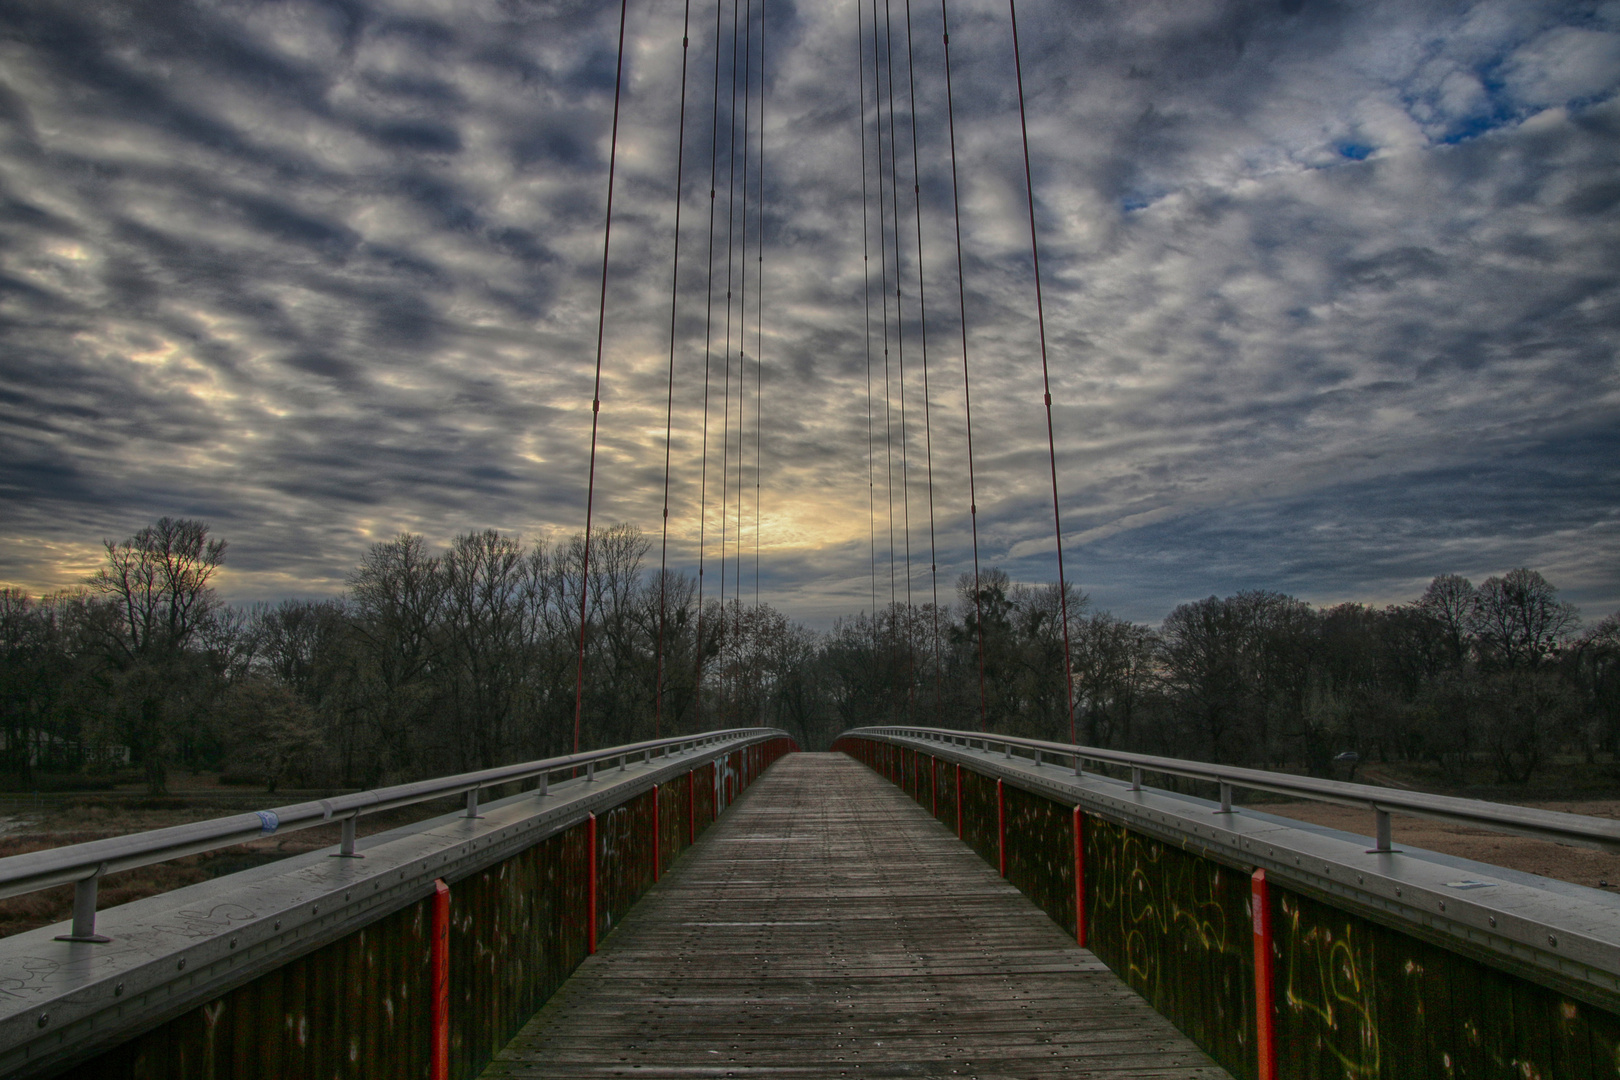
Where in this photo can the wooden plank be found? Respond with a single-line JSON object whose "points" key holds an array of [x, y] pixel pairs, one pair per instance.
{"points": [[828, 926]]}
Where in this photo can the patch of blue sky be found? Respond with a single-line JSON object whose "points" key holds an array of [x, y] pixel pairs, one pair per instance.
{"points": [[1133, 201]]}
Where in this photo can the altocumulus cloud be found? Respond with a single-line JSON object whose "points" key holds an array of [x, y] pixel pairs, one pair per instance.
{"points": [[1332, 294]]}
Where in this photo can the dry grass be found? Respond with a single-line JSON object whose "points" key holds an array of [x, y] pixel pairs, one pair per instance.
{"points": [[1581, 866], [80, 822]]}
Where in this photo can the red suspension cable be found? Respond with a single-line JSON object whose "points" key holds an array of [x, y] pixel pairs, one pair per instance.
{"points": [[1046, 380], [669, 408], [922, 316], [725, 420], [759, 305], [967, 386], [708, 341], [596, 392], [899, 327], [866, 291], [883, 269]]}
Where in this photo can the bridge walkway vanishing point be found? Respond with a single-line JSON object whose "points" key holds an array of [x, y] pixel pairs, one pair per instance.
{"points": [[829, 927]]}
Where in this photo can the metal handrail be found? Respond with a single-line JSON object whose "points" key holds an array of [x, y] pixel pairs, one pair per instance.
{"points": [[1554, 825], [83, 865]]}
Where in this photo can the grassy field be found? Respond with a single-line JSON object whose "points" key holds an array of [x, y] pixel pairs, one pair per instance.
{"points": [[30, 822]]}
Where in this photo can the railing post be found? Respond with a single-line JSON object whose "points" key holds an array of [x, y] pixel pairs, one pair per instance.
{"points": [[472, 803], [933, 784], [1079, 878], [1001, 825], [545, 784], [1136, 778], [590, 770], [656, 837], [590, 886], [959, 800], [1226, 798], [1077, 769], [84, 910], [346, 846], [1266, 1036], [439, 975], [1381, 834]]}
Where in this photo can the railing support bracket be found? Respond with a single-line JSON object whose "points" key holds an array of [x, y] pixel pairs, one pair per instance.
{"points": [[84, 911], [346, 847]]}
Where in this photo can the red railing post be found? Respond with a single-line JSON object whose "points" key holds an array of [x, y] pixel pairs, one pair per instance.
{"points": [[1265, 1032], [959, 801], [933, 785], [657, 840], [1079, 878], [590, 886], [439, 983], [1001, 825]]}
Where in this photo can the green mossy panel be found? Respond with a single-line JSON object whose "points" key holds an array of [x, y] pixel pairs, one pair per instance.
{"points": [[1357, 1000], [979, 825], [623, 858], [1040, 853], [945, 779], [299, 1021], [1175, 927]]}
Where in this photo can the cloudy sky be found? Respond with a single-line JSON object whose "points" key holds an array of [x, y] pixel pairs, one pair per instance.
{"points": [[1332, 290]]}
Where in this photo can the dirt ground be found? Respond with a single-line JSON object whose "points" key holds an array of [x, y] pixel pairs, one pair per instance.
{"points": [[56, 823], [1582, 866]]}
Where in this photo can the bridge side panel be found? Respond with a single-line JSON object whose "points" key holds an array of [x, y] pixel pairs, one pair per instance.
{"points": [[517, 930], [1356, 999], [946, 780], [704, 813], [1040, 853], [979, 815], [624, 837], [349, 1009], [1175, 927], [672, 819], [358, 1007]]}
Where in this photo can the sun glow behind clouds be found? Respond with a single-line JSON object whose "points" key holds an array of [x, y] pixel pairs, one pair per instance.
{"points": [[323, 276]]}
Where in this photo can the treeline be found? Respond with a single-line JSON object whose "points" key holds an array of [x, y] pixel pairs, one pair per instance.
{"points": [[430, 663], [442, 661], [1499, 673]]}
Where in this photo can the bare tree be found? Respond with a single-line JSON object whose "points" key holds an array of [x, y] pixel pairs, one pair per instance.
{"points": [[1519, 620], [159, 598], [1449, 601]]}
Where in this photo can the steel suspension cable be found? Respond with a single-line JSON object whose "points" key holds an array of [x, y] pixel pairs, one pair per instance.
{"points": [[967, 385], [742, 338], [900, 340], [669, 408], [725, 421], [759, 306], [1046, 379], [922, 316], [596, 391], [708, 339], [883, 268], [866, 291]]}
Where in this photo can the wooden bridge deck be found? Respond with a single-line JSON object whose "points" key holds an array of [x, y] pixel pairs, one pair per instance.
{"points": [[829, 927]]}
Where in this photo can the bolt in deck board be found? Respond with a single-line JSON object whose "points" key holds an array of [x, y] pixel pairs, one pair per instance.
{"points": [[829, 927]]}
